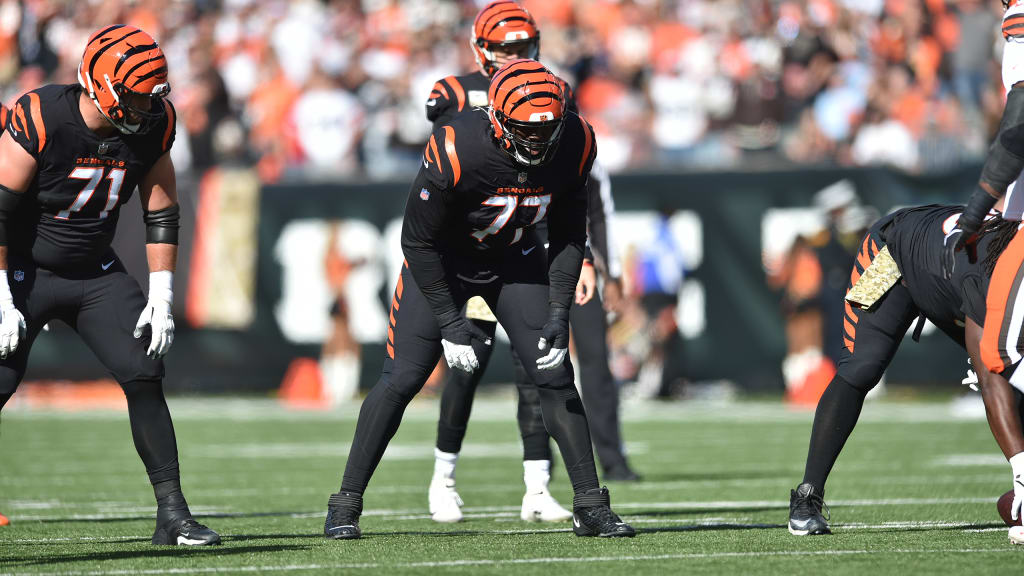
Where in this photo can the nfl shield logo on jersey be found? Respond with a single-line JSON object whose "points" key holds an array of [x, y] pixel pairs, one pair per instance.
{"points": [[522, 177], [102, 149], [424, 194], [19, 275]]}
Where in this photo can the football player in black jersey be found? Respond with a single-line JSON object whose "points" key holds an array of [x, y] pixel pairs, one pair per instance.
{"points": [[900, 267], [70, 156], [503, 31], [487, 180]]}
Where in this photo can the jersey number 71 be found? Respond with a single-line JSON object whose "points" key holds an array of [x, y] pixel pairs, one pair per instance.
{"points": [[93, 177]]}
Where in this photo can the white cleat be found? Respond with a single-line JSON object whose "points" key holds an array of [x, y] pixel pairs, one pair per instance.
{"points": [[1016, 535], [542, 507], [445, 503]]}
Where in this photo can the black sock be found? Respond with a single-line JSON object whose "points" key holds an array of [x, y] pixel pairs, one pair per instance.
{"points": [[379, 417], [566, 421], [153, 434], [834, 420], [457, 403]]}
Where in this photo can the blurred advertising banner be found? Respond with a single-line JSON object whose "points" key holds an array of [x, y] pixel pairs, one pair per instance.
{"points": [[307, 269]]}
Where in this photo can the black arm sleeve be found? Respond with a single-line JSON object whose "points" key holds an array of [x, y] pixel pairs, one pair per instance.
{"points": [[424, 223], [8, 202], [597, 225], [567, 236], [1005, 158]]}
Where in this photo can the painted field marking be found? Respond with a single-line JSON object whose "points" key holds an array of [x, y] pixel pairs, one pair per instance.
{"points": [[529, 561]]}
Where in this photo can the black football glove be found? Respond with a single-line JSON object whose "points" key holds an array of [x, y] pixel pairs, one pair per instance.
{"points": [[954, 242], [967, 231], [554, 338]]}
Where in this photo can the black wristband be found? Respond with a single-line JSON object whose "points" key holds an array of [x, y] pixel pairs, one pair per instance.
{"points": [[977, 209], [558, 312], [162, 225]]}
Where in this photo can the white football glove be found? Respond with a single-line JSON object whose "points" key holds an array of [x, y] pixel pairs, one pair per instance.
{"points": [[157, 314], [554, 338], [1017, 465], [12, 323], [460, 356], [457, 337]]}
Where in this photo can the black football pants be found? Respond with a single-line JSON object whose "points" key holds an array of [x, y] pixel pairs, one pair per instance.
{"points": [[600, 394], [519, 299], [103, 308], [870, 340]]}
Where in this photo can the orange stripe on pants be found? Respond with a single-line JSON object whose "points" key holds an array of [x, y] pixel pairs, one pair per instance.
{"points": [[997, 301]]}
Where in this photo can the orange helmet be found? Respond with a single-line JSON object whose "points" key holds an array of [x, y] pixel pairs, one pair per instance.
{"points": [[125, 74], [526, 107], [506, 25]]}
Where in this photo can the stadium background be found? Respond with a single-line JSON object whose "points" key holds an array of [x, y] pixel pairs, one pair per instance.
{"points": [[301, 124]]}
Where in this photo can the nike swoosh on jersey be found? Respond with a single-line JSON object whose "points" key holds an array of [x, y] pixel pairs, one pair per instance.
{"points": [[528, 250], [107, 265]]}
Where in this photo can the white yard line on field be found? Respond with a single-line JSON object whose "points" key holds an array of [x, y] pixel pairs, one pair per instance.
{"points": [[496, 408], [503, 511], [528, 561]]}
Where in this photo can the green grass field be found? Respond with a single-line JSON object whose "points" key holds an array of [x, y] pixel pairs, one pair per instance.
{"points": [[913, 491]]}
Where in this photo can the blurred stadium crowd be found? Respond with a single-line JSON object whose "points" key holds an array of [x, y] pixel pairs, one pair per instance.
{"points": [[336, 87]]}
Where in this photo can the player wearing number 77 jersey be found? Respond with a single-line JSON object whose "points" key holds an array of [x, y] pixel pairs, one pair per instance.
{"points": [[487, 179], [70, 157]]}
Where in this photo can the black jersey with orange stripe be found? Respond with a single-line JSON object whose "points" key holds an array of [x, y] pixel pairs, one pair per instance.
{"points": [[471, 201], [68, 217], [453, 95], [915, 239]]}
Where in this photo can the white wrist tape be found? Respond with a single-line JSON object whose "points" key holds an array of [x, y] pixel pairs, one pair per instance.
{"points": [[160, 286], [5, 289], [1017, 463]]}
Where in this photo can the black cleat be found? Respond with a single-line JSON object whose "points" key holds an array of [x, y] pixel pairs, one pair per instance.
{"points": [[343, 511], [180, 529], [592, 516], [805, 504]]}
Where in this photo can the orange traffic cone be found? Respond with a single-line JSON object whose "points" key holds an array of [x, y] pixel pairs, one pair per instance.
{"points": [[807, 394], [303, 386]]}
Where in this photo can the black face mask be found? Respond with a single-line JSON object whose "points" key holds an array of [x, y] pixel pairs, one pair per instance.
{"points": [[532, 143], [145, 119]]}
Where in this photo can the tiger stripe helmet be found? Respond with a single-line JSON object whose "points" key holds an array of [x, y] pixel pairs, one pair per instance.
{"points": [[527, 109], [121, 65], [503, 24]]}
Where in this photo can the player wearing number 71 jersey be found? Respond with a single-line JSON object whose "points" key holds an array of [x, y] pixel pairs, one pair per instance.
{"points": [[70, 157]]}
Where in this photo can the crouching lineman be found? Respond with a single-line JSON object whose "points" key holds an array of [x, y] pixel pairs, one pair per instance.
{"points": [[70, 156], [487, 180], [504, 31], [897, 278]]}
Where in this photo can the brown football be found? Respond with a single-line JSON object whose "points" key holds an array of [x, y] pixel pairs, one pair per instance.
{"points": [[1003, 505]]}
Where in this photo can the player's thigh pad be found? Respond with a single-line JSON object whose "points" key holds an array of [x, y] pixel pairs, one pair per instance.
{"points": [[33, 297], [871, 338], [414, 339], [522, 310], [110, 308]]}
